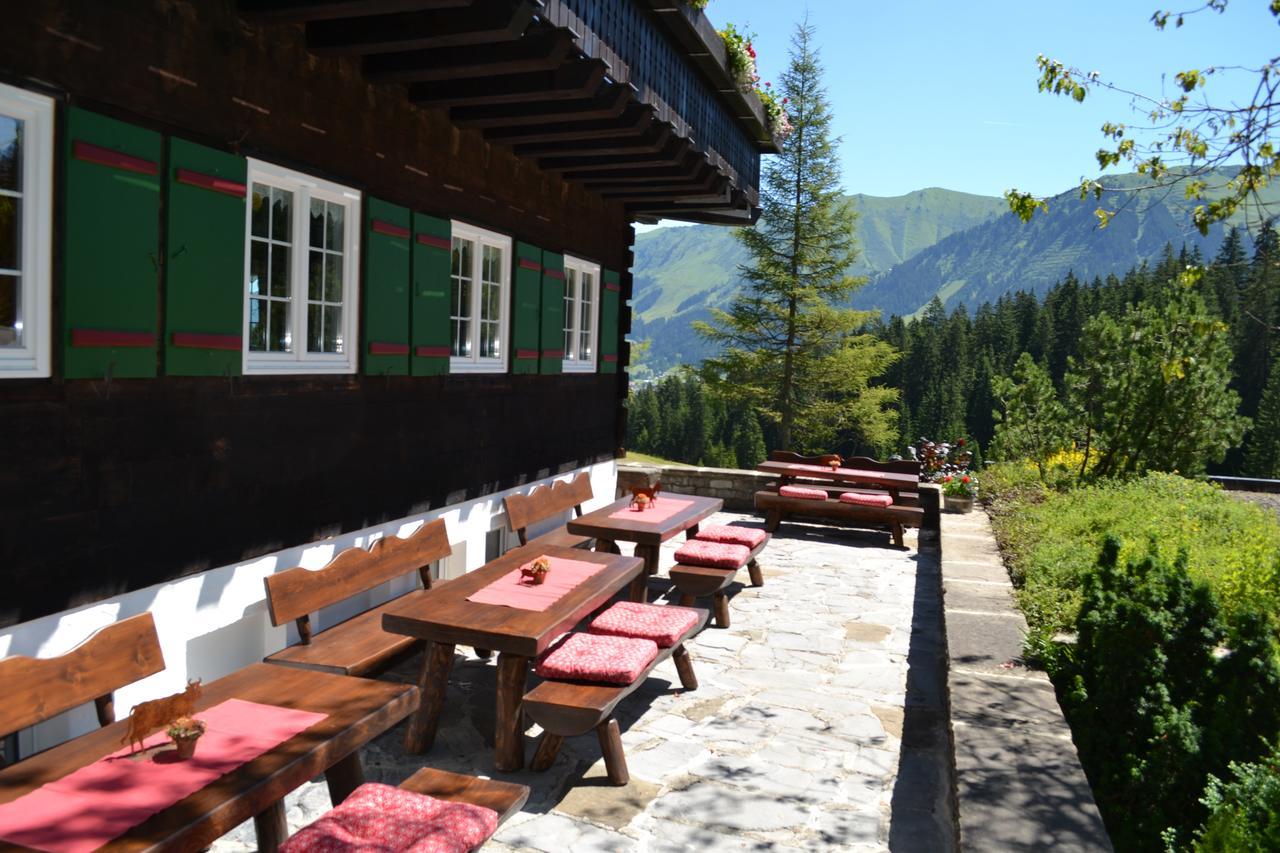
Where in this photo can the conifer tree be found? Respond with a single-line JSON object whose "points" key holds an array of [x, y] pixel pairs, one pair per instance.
{"points": [[1262, 454], [787, 337]]}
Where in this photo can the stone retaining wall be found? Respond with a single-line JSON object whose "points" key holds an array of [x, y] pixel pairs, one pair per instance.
{"points": [[737, 488]]}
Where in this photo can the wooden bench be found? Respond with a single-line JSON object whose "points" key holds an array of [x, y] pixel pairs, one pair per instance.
{"points": [[570, 708], [357, 646], [505, 798], [862, 463], [694, 582], [547, 502], [777, 507]]}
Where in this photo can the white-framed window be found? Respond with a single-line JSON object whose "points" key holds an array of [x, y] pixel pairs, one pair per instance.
{"points": [[581, 307], [480, 275], [301, 263], [26, 203]]}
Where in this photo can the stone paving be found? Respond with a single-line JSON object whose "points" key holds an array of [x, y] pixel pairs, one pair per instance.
{"points": [[793, 740]]}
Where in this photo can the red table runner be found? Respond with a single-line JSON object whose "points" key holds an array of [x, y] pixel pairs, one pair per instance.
{"points": [[660, 510], [511, 591], [97, 803]]}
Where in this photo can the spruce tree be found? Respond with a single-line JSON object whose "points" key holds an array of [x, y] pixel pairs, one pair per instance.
{"points": [[1262, 454], [788, 336]]}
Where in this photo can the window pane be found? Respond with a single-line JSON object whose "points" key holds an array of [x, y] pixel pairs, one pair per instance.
{"points": [[462, 338], [10, 233], [279, 280], [315, 276], [464, 297], [260, 220], [315, 324], [486, 340], [257, 267], [333, 328], [587, 315], [332, 278], [317, 223], [257, 325], [584, 346], [278, 337], [334, 232], [10, 291], [281, 215], [10, 153]]}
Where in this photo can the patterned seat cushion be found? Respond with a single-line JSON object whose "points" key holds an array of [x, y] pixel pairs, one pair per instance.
{"points": [[803, 492], [663, 625], [751, 537], [385, 819], [716, 555], [596, 657], [866, 500]]}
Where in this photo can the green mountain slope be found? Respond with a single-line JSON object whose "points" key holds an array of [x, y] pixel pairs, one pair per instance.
{"points": [[681, 273]]}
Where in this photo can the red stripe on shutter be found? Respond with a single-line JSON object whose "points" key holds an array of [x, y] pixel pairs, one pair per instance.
{"points": [[209, 182], [382, 348], [553, 353], [526, 264], [610, 357], [526, 353], [435, 242], [105, 338], [556, 274], [115, 159], [390, 229], [202, 340], [433, 352], [614, 287]]}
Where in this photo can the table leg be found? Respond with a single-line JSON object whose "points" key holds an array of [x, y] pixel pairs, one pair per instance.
{"points": [[649, 553], [437, 660], [692, 532], [271, 827], [508, 734], [344, 777], [608, 546]]}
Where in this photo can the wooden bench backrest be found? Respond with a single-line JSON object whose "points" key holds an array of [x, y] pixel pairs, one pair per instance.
{"points": [[296, 593], [865, 463], [36, 689], [547, 501]]}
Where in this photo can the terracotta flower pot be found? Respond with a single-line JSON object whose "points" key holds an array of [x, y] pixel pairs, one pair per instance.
{"points": [[185, 746]]}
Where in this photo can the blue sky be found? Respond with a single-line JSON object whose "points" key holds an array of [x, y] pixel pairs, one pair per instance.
{"points": [[944, 94]]}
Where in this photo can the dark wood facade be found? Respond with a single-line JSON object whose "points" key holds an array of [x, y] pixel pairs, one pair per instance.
{"points": [[111, 485]]}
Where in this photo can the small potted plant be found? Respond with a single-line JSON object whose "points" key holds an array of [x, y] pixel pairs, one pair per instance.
{"points": [[184, 732], [536, 572], [958, 491]]}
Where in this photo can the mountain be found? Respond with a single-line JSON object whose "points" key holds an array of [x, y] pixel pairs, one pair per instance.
{"points": [[681, 273]]}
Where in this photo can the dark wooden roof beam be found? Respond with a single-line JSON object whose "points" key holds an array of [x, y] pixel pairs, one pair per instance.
{"points": [[650, 142], [482, 22], [683, 195], [538, 51], [609, 104], [633, 119], [706, 180], [574, 80], [677, 153], [298, 11]]}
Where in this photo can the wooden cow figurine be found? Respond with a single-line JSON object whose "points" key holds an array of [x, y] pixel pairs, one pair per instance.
{"points": [[651, 493], [148, 716]]}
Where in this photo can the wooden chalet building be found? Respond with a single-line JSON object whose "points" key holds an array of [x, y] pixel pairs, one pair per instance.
{"points": [[278, 277]]}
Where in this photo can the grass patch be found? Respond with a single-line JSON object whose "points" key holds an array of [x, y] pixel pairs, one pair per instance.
{"points": [[648, 459]]}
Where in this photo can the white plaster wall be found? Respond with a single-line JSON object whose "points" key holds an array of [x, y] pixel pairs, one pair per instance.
{"points": [[215, 622]]}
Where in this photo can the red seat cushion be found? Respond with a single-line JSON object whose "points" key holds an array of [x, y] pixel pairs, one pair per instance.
{"points": [[595, 657], [866, 500], [751, 537], [717, 555], [663, 625], [384, 819], [803, 492]]}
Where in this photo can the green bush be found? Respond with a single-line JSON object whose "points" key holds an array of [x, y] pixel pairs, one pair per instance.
{"points": [[1050, 539], [1244, 814]]}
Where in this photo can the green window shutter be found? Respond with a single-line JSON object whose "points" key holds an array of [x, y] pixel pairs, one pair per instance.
{"points": [[205, 273], [386, 288], [552, 360], [610, 296], [527, 314], [111, 248], [432, 295]]}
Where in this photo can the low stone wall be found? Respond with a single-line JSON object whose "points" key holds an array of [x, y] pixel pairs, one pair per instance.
{"points": [[736, 488]]}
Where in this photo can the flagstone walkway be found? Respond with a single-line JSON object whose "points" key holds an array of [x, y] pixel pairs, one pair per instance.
{"points": [[794, 740]]}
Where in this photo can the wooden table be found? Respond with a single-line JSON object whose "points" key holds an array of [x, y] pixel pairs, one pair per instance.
{"points": [[647, 535], [893, 482], [359, 710], [444, 618]]}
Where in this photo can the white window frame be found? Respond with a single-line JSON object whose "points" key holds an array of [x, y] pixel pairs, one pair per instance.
{"points": [[31, 359], [482, 237], [304, 188], [571, 364]]}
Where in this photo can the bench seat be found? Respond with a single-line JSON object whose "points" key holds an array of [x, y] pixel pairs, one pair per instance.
{"points": [[778, 507], [694, 582], [358, 646], [570, 708], [561, 537], [505, 798]]}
